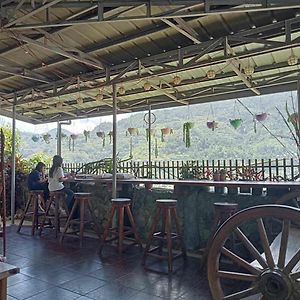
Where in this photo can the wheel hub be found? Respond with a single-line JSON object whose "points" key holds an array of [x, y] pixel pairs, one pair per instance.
{"points": [[274, 284]]}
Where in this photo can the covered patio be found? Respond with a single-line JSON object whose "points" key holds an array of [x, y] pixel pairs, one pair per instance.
{"points": [[63, 60]]}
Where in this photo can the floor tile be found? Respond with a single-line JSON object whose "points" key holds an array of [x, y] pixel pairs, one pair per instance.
{"points": [[55, 293]]}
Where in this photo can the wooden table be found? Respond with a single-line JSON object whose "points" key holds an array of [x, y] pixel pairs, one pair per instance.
{"points": [[6, 270]]}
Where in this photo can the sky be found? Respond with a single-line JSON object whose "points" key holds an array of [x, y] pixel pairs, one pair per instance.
{"points": [[75, 127]]}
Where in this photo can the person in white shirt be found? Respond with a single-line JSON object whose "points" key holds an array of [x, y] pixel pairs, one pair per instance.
{"points": [[56, 179]]}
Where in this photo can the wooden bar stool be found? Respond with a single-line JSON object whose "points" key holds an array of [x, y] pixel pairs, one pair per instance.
{"points": [[56, 201], [33, 201], [222, 211], [121, 232], [166, 210], [81, 201]]}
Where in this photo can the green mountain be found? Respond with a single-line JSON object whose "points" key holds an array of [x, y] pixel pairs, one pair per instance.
{"points": [[224, 142]]}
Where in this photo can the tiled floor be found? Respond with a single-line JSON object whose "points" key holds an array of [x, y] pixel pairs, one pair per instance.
{"points": [[50, 271]]}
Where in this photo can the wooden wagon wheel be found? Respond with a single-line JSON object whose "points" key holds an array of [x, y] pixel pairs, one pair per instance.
{"points": [[269, 267], [292, 198]]}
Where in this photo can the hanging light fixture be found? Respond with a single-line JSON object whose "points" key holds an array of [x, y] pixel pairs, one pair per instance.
{"points": [[79, 100], [121, 90], [147, 86], [249, 70], [211, 74], [293, 59], [99, 96], [177, 80]]}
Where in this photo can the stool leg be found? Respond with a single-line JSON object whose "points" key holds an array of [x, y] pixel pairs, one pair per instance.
{"points": [[69, 220], [106, 230], [150, 236], [45, 216], [34, 215], [169, 240], [94, 219], [82, 209], [133, 226], [24, 214], [56, 217], [163, 231], [178, 230], [120, 229]]}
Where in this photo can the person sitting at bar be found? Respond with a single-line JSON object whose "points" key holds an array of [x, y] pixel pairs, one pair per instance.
{"points": [[38, 181], [56, 180]]}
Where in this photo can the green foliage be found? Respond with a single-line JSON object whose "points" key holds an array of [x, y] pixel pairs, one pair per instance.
{"points": [[8, 140], [187, 126], [37, 157]]}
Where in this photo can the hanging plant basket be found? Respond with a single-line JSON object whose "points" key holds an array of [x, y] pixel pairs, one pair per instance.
{"points": [[212, 125], [35, 138], [110, 134], [101, 135], [261, 117], [187, 126], [86, 134], [152, 133], [47, 138], [165, 132], [132, 131], [236, 123], [73, 137]]}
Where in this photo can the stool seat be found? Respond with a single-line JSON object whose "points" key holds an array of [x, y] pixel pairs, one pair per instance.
{"points": [[82, 195], [166, 202], [225, 205], [36, 192], [81, 200], [166, 209], [121, 232]]}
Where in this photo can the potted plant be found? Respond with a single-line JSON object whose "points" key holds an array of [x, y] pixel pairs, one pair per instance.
{"points": [[218, 175], [47, 138], [35, 138], [152, 132], [235, 123], [132, 131], [245, 175], [212, 125], [187, 126], [73, 137], [86, 134], [101, 135], [165, 132], [232, 190]]}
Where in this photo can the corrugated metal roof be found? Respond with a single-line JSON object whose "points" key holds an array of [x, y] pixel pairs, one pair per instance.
{"points": [[44, 66]]}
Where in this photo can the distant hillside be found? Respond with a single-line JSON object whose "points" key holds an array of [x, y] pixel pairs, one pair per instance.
{"points": [[223, 143]]}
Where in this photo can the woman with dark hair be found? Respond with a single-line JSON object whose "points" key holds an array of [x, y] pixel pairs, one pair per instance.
{"points": [[37, 180], [56, 179]]}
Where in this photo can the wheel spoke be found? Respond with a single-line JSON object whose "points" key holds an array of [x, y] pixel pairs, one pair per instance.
{"points": [[237, 276], [255, 253], [292, 263], [243, 294], [284, 243], [241, 262], [296, 275], [265, 243]]}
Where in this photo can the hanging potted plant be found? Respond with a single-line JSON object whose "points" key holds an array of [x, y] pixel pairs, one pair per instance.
{"points": [[236, 123], [152, 132], [47, 138], [261, 117], [35, 138], [110, 134], [212, 125], [187, 126], [86, 134], [101, 135], [73, 137], [132, 131], [165, 132]]}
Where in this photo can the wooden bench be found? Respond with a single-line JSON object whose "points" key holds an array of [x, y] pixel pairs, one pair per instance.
{"points": [[6, 270]]}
